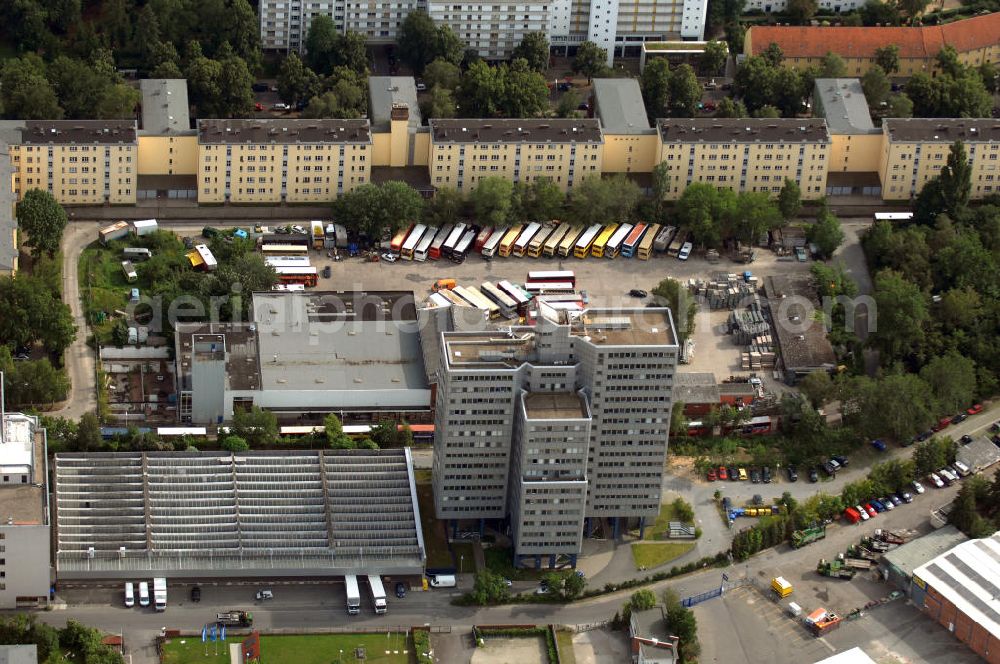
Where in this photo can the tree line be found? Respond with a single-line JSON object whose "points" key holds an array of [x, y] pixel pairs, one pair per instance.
{"points": [[75, 642]]}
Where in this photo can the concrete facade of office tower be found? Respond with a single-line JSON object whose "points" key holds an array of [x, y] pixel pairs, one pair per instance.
{"points": [[555, 429]]}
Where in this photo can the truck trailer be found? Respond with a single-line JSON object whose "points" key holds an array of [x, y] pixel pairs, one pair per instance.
{"points": [[160, 593], [353, 595], [807, 536], [378, 593]]}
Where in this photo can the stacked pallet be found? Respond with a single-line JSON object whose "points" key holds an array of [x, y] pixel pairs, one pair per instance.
{"points": [[724, 290]]}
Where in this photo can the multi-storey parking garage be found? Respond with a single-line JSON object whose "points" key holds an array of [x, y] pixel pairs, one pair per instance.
{"points": [[252, 514]]}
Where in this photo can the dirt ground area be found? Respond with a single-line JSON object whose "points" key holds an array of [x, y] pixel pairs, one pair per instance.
{"points": [[511, 651], [600, 646]]}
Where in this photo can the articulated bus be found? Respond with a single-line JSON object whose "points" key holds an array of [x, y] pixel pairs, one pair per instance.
{"points": [[602, 240], [507, 243], [555, 238], [524, 239], [456, 234], [631, 243], [434, 252], [893, 216], [464, 246], [614, 245], [297, 275], [396, 244], [412, 240], [552, 277], [508, 307], [539, 241], [565, 248], [520, 296], [420, 253], [493, 243], [646, 246], [284, 250], [586, 241]]}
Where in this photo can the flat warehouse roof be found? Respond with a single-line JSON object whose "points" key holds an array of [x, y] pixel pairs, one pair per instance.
{"points": [[282, 131], [275, 513], [525, 130]]}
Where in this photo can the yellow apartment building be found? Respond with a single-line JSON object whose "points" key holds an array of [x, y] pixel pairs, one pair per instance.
{"points": [[10, 133], [745, 154], [80, 162], [975, 39], [168, 146], [281, 160], [566, 151], [630, 144], [914, 151]]}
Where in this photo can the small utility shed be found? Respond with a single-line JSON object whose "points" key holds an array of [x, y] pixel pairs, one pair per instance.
{"points": [[897, 565], [978, 455]]}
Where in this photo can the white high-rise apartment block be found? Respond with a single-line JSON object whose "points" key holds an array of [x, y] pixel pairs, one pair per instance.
{"points": [[496, 27]]}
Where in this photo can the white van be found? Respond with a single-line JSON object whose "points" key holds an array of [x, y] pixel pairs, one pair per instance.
{"points": [[948, 476], [962, 469], [143, 593], [685, 251], [443, 581], [129, 594]]}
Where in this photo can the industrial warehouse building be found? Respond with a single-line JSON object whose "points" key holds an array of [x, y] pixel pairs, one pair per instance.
{"points": [[356, 354], [960, 589], [192, 515]]}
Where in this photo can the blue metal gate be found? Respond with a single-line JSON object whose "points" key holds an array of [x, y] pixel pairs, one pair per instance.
{"points": [[698, 599]]}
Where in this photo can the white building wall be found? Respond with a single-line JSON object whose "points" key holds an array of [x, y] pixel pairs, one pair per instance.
{"points": [[24, 563], [693, 16], [603, 25], [493, 29]]}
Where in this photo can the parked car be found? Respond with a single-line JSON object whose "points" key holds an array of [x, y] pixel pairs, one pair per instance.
{"points": [[947, 476], [995, 426], [281, 107], [743, 474], [925, 435], [258, 106], [400, 590], [264, 594], [711, 475], [421, 87], [755, 475], [638, 292], [879, 507], [975, 410], [299, 230], [966, 439], [766, 475], [685, 251], [195, 593], [734, 475], [917, 486], [327, 272], [887, 503], [259, 87], [841, 460], [961, 417], [871, 510], [907, 497], [800, 254], [961, 469], [942, 424], [863, 512], [935, 480], [879, 444], [813, 475], [896, 500], [389, 258], [793, 473], [722, 474]]}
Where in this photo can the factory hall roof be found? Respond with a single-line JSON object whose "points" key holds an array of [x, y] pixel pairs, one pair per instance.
{"points": [[744, 130], [524, 130], [283, 131]]}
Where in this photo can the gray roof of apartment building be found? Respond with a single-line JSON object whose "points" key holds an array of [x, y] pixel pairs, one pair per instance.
{"points": [[283, 131], [915, 553], [618, 102], [942, 130], [842, 102], [744, 130], [78, 132], [255, 513], [696, 387], [386, 92], [165, 109], [10, 133], [523, 130], [22, 654]]}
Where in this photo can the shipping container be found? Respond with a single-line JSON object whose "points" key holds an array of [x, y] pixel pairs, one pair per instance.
{"points": [[113, 232], [144, 226]]}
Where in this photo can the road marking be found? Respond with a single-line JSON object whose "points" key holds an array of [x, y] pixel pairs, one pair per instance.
{"points": [[823, 640]]}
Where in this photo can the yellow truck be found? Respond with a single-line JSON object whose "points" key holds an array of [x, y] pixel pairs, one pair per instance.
{"points": [[781, 587]]}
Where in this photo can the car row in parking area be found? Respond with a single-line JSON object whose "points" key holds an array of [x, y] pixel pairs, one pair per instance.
{"points": [[875, 506]]}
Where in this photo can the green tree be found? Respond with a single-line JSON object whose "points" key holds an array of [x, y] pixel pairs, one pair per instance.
{"points": [[76, 84], [933, 454], [256, 426], [534, 49], [956, 179], [832, 66], [802, 11], [489, 588], [900, 106], [642, 600], [235, 94], [712, 61], [912, 8], [818, 388], [674, 294], [952, 379], [542, 200], [234, 444], [728, 108], [773, 55], [417, 36], [526, 94], [296, 82], [243, 31], [767, 111], [117, 101], [754, 214], [374, 208], [442, 74], [444, 208], [705, 211], [42, 219], [790, 199], [682, 510], [441, 104], [602, 200], [655, 85], [29, 312], [887, 57], [826, 233], [789, 91], [88, 434], [902, 314], [876, 12], [754, 82], [491, 200], [590, 60], [386, 434], [448, 45], [876, 85], [685, 92], [683, 625], [990, 75], [321, 44], [32, 382], [481, 90], [203, 77], [352, 52], [569, 104], [335, 436], [25, 92]]}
